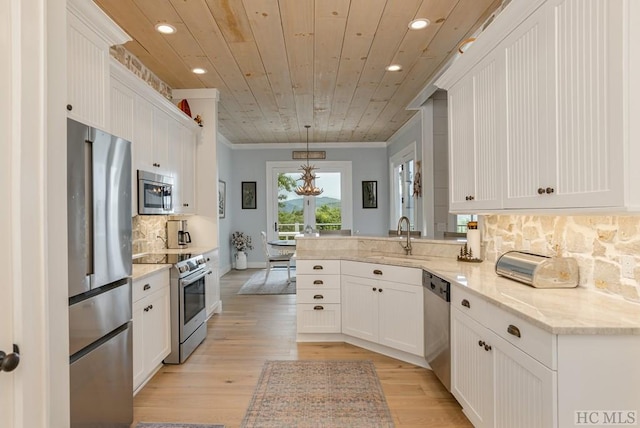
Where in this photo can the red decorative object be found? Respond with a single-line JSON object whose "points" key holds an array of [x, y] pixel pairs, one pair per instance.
{"points": [[184, 106]]}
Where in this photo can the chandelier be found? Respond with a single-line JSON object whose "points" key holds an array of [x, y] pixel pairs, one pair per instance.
{"points": [[308, 178]]}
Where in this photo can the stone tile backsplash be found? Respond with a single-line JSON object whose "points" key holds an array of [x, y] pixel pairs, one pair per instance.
{"points": [[145, 232], [596, 242], [136, 66]]}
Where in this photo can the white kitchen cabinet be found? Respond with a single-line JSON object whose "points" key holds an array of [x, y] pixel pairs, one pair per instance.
{"points": [[497, 384], [475, 138], [151, 325], [88, 74], [143, 135], [379, 310], [471, 376], [90, 33], [503, 369], [123, 102], [560, 103], [163, 138], [212, 284], [182, 165], [318, 299], [564, 105]]}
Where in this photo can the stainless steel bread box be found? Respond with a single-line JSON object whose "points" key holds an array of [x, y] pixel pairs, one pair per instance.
{"points": [[538, 271]]}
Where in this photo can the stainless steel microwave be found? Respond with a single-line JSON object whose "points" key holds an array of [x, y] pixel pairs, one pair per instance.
{"points": [[155, 193]]}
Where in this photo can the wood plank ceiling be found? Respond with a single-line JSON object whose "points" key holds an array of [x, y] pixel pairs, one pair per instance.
{"points": [[283, 64]]}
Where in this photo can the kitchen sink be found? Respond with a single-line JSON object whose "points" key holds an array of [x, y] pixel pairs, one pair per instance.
{"points": [[398, 258]]}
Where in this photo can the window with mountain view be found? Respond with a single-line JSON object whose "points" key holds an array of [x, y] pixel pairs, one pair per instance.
{"points": [[296, 212]]}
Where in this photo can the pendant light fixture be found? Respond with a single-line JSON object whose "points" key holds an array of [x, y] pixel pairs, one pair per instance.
{"points": [[308, 178]]}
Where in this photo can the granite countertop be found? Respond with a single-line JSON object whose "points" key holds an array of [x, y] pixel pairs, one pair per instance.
{"points": [[577, 310], [142, 271]]}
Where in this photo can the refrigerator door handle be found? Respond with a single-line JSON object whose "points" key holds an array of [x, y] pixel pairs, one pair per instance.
{"points": [[88, 206]]}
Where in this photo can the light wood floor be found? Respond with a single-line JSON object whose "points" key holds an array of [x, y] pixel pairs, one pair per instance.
{"points": [[216, 383]]}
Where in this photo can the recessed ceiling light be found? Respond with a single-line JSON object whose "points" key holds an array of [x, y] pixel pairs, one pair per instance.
{"points": [[199, 70], [393, 67], [165, 28], [419, 24]]}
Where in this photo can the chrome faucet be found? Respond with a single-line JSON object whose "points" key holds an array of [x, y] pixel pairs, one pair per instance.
{"points": [[407, 247]]}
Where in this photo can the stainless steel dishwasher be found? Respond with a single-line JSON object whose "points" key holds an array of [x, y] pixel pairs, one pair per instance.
{"points": [[436, 326]]}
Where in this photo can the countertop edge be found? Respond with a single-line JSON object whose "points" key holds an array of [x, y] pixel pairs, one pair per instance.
{"points": [[144, 271], [431, 264]]}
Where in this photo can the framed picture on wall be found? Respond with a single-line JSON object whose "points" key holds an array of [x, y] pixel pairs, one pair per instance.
{"points": [[369, 194], [248, 195], [222, 198]]}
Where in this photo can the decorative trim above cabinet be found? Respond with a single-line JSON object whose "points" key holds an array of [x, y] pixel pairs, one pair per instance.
{"points": [[141, 88], [504, 23], [93, 17]]}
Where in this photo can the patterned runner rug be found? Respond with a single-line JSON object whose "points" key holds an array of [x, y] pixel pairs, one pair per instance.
{"points": [[318, 394], [175, 425], [275, 284]]}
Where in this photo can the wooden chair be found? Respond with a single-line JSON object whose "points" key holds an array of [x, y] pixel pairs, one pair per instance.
{"points": [[275, 260]]}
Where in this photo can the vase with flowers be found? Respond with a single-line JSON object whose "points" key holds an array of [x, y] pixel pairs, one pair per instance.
{"points": [[241, 243]]}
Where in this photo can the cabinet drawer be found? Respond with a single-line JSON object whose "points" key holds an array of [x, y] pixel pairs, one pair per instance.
{"points": [[469, 304], [406, 275], [318, 318], [331, 295], [147, 285], [318, 267], [532, 340], [317, 282]]}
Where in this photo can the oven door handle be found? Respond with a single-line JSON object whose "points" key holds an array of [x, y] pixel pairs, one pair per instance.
{"points": [[189, 280]]}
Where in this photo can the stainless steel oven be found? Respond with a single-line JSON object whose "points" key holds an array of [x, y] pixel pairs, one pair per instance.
{"points": [[192, 306], [155, 193]]}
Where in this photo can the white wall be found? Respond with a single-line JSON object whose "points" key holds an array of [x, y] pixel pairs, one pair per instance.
{"points": [[368, 163], [225, 224]]}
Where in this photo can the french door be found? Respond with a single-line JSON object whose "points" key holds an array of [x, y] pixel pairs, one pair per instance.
{"points": [[288, 213], [402, 170]]}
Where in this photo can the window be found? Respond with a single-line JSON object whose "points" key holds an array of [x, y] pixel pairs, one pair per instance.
{"points": [[289, 213]]}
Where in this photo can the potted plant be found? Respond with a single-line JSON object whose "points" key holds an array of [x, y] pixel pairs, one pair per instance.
{"points": [[241, 243]]}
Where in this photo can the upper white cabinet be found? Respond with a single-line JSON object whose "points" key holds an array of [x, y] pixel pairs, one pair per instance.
{"points": [[474, 140], [89, 34], [182, 147], [163, 138], [540, 107]]}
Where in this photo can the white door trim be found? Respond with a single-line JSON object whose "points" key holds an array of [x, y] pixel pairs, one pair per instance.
{"points": [[344, 167], [34, 222], [403, 156]]}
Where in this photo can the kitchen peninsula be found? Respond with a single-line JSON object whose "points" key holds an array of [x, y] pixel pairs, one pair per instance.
{"points": [[575, 349]]}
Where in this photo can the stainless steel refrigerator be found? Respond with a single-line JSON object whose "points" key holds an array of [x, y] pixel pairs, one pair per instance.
{"points": [[99, 225]]}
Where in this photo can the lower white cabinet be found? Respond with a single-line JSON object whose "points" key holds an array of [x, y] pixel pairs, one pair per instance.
{"points": [[497, 384], [212, 284], [382, 311], [151, 325], [318, 296]]}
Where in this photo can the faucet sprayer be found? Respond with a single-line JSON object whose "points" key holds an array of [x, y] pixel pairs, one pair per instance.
{"points": [[407, 248]]}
